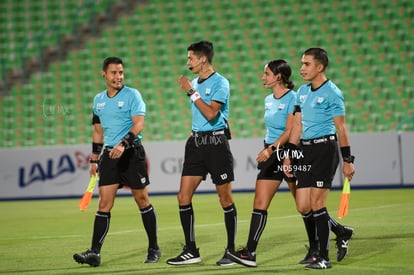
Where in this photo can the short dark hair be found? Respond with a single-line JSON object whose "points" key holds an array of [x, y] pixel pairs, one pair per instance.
{"points": [[282, 67], [319, 54], [203, 48], [111, 60]]}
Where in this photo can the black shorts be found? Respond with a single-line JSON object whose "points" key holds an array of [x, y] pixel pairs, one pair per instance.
{"points": [[129, 170], [208, 152], [273, 169], [318, 165]]}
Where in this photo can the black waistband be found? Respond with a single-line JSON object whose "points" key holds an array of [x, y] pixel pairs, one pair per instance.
{"points": [[207, 133], [318, 140], [135, 144]]}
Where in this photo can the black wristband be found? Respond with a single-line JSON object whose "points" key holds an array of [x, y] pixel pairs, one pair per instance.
{"points": [[97, 148], [128, 140], [349, 159], [346, 151], [93, 161], [191, 91], [296, 109]]}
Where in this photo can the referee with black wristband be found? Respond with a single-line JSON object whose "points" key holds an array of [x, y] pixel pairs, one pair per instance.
{"points": [[117, 152], [319, 124]]}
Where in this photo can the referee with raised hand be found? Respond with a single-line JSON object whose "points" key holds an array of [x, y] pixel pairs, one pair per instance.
{"points": [[118, 120], [319, 124], [207, 149]]}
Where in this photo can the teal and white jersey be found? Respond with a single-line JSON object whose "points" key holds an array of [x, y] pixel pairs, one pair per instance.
{"points": [[318, 108], [276, 113], [115, 113], [214, 88]]}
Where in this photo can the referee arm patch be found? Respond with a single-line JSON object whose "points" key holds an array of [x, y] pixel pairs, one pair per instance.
{"points": [[297, 109], [95, 119]]}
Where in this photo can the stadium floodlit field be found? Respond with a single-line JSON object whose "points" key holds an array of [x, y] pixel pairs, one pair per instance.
{"points": [[39, 237]]}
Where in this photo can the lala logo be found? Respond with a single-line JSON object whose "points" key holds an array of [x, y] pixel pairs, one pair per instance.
{"points": [[281, 106], [52, 169], [319, 100], [120, 104], [208, 90]]}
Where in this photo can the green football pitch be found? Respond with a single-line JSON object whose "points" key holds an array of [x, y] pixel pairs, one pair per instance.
{"points": [[40, 237]]}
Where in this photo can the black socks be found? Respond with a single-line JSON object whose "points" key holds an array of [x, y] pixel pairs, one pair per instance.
{"points": [[230, 220], [257, 225], [323, 228], [100, 229], [310, 227], [187, 222], [149, 219]]}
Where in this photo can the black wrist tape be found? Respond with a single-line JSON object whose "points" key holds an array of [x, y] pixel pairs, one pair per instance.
{"points": [[128, 140], [97, 148], [346, 151], [296, 109]]}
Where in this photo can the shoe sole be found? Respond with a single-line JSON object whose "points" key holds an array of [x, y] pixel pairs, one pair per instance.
{"points": [[305, 262], [190, 261], [308, 260], [317, 268], [147, 261], [242, 261], [228, 264], [81, 260]]}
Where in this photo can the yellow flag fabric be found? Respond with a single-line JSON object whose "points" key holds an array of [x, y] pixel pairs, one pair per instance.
{"points": [[343, 205]]}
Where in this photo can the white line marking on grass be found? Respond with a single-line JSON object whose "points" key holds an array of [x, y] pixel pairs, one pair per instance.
{"points": [[122, 232]]}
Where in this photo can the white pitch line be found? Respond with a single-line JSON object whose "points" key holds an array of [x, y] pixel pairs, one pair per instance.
{"points": [[122, 232]]}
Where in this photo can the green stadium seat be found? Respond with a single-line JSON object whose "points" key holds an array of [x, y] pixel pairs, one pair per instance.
{"points": [[369, 45]]}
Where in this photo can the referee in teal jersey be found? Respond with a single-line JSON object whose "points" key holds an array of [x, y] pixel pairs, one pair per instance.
{"points": [[278, 117], [118, 120], [207, 150], [319, 124]]}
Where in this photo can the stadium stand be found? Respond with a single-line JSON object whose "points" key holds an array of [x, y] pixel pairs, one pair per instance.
{"points": [[369, 42]]}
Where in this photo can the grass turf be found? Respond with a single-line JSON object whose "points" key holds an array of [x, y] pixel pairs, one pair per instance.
{"points": [[40, 237]]}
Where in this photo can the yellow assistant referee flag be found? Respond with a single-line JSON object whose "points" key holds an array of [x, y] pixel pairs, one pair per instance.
{"points": [[86, 198], [343, 205]]}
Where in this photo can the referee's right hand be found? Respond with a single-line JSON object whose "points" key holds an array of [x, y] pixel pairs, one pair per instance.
{"points": [[117, 151], [184, 83]]}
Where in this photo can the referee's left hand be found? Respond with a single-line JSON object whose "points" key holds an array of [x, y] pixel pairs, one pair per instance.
{"points": [[263, 155], [349, 170], [117, 151]]}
